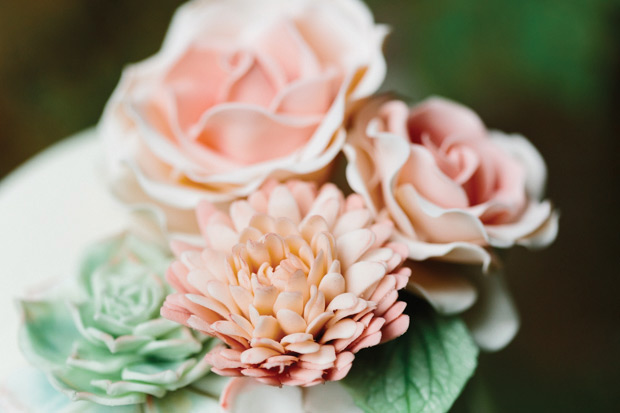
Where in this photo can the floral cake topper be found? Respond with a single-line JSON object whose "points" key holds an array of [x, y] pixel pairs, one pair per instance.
{"points": [[321, 247]]}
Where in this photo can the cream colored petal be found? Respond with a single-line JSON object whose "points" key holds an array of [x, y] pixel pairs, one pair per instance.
{"points": [[342, 301], [378, 255], [230, 329], [363, 275], [348, 343], [352, 245], [263, 223], [326, 355], [352, 220], [217, 265], [199, 278], [212, 305], [267, 342], [249, 234], [221, 237], [342, 329], [244, 323], [257, 355], [311, 225], [267, 327], [261, 374], [286, 227], [219, 291], [290, 321], [254, 315], [335, 267], [241, 212], [298, 283], [292, 301], [192, 260], [243, 298], [264, 299], [361, 306], [383, 231], [324, 241], [304, 347], [279, 362], [387, 284], [295, 243], [332, 285], [317, 270], [319, 322], [306, 255], [315, 306], [275, 247], [296, 338], [257, 252], [282, 204], [258, 201], [328, 206]]}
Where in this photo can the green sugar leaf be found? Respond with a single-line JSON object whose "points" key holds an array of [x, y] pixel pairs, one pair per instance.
{"points": [[422, 371]]}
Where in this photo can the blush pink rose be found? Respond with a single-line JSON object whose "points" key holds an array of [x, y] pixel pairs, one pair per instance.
{"points": [[451, 186], [241, 91]]}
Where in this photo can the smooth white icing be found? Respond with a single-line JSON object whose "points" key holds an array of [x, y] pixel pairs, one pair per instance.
{"points": [[51, 208]]}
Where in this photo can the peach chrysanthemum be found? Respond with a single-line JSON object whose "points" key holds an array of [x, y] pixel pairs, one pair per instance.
{"points": [[294, 280]]}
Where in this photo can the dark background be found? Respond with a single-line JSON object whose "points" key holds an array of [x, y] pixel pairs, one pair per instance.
{"points": [[547, 69]]}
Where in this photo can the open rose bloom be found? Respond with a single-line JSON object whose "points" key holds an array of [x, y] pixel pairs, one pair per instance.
{"points": [[294, 281], [452, 187], [241, 90]]}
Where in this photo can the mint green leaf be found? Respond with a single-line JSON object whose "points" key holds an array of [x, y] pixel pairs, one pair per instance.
{"points": [[422, 371], [48, 332]]}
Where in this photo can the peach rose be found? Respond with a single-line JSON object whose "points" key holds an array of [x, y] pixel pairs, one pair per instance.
{"points": [[452, 187], [241, 91]]}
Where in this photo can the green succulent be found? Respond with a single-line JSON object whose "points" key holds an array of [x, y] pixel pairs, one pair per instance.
{"points": [[108, 344]]}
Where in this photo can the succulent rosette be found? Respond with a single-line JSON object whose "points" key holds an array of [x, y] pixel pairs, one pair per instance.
{"points": [[294, 280], [452, 187], [240, 91], [107, 343]]}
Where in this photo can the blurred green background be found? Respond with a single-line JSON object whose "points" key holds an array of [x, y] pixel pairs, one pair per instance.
{"points": [[548, 69]]}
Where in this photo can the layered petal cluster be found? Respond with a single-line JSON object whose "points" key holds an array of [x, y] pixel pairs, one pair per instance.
{"points": [[240, 91], [452, 187], [109, 345], [294, 280]]}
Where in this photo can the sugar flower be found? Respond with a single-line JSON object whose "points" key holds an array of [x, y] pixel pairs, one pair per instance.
{"points": [[240, 91], [451, 186], [294, 281], [108, 344]]}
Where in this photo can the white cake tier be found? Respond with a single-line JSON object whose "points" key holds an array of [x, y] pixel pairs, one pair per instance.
{"points": [[51, 208]]}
